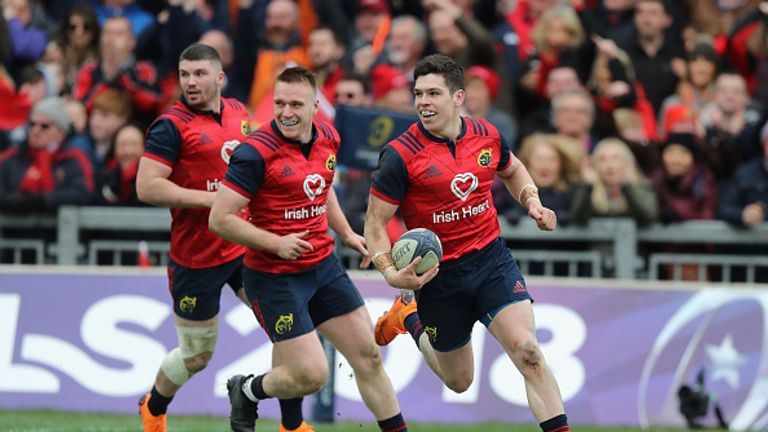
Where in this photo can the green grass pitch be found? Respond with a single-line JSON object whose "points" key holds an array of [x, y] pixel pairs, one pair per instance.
{"points": [[54, 421]]}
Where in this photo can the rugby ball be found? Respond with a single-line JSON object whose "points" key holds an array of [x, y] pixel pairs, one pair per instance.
{"points": [[417, 242]]}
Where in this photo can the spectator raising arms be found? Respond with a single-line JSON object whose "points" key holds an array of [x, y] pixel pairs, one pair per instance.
{"points": [[118, 68], [729, 125]]}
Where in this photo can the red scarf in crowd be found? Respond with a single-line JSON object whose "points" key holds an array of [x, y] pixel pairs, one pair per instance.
{"points": [[38, 178]]}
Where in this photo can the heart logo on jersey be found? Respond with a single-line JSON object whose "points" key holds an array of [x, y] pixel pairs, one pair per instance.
{"points": [[227, 149], [463, 184], [313, 186]]}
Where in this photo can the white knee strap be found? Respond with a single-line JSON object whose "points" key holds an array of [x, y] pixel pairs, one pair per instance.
{"points": [[196, 340], [174, 368]]}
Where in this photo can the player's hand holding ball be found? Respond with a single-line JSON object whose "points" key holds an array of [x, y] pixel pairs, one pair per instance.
{"points": [[417, 255]]}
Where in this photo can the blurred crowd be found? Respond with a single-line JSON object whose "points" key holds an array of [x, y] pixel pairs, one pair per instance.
{"points": [[648, 109]]}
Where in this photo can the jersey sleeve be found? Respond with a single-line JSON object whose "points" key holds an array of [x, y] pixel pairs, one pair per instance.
{"points": [[390, 179], [246, 170], [506, 155], [163, 142]]}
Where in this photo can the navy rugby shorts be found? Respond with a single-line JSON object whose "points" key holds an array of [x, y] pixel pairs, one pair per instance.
{"points": [[196, 291], [289, 305], [474, 287]]}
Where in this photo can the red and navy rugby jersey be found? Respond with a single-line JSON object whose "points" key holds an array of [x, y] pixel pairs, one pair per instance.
{"points": [[449, 194], [288, 191], [198, 145]]}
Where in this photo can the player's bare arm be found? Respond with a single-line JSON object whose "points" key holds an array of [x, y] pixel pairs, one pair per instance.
{"points": [[520, 184], [379, 213], [226, 222], [339, 223], [153, 187]]}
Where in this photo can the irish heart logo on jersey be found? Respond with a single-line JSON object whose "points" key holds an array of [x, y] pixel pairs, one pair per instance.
{"points": [[227, 149], [463, 184], [313, 186]]}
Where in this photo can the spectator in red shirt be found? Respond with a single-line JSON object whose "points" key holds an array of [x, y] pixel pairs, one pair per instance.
{"points": [[119, 69]]}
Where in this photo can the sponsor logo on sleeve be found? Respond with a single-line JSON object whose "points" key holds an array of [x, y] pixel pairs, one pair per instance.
{"points": [[330, 163]]}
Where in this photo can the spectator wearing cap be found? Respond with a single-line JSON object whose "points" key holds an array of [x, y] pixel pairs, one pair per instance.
{"points": [[481, 88], [45, 172], [658, 58], [390, 89], [729, 125], [685, 186], [744, 201], [680, 111]]}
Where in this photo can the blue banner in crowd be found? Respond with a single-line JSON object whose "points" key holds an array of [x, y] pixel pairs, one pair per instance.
{"points": [[364, 131]]}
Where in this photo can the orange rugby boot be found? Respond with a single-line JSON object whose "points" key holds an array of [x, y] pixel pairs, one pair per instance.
{"points": [[151, 423], [392, 323], [303, 427]]}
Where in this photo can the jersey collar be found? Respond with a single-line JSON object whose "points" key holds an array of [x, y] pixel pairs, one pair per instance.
{"points": [[200, 112], [443, 140], [277, 132]]}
